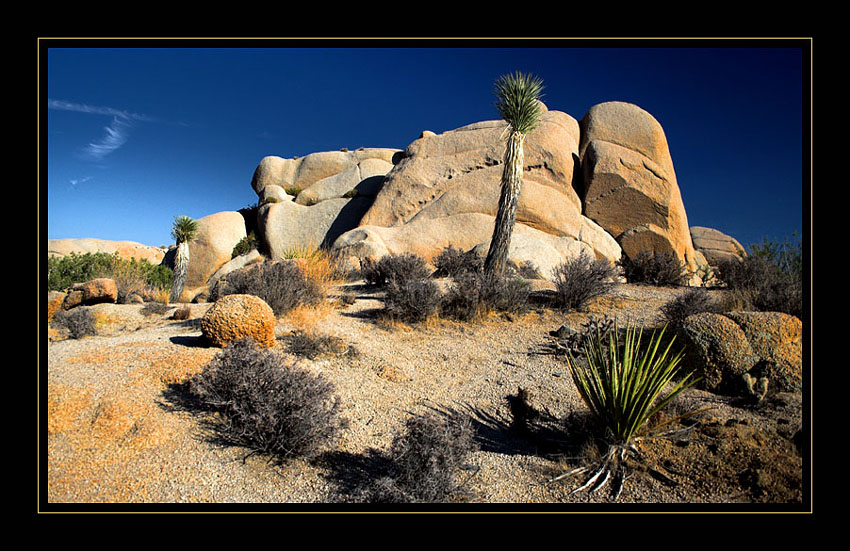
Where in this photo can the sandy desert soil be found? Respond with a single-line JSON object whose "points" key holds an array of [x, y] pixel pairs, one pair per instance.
{"points": [[116, 428]]}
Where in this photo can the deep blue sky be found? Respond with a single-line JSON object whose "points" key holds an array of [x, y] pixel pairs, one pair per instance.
{"points": [[136, 136]]}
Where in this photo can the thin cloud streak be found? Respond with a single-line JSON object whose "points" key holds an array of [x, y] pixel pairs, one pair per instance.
{"points": [[116, 136], [61, 105]]}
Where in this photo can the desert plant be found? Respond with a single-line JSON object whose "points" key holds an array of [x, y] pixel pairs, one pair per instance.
{"points": [[452, 262], [395, 266], [692, 301], [62, 272], [654, 268], [581, 279], [183, 231], [245, 245], [760, 284], [79, 322], [622, 385], [268, 406], [475, 294], [154, 309], [283, 285], [518, 103], [425, 461], [412, 300]]}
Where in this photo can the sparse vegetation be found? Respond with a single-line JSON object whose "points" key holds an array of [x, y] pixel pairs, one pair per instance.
{"points": [[581, 279], [283, 285], [622, 385], [79, 322], [268, 406], [394, 267], [475, 294], [412, 300], [452, 262], [425, 462], [130, 275], [661, 269], [245, 245], [692, 301]]}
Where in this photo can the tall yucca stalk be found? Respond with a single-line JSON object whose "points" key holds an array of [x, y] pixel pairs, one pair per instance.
{"points": [[622, 384], [184, 230], [518, 103]]}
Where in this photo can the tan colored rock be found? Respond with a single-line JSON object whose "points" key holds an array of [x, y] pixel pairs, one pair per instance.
{"points": [[55, 299], [213, 247], [366, 178], [101, 289], [777, 339], [459, 172], [716, 246], [234, 317], [629, 183], [427, 237], [718, 349], [125, 249], [303, 172]]}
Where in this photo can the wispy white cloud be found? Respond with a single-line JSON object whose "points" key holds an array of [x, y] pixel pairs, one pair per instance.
{"points": [[116, 134]]}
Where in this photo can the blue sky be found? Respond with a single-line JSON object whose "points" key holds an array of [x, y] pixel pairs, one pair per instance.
{"points": [[136, 136]]}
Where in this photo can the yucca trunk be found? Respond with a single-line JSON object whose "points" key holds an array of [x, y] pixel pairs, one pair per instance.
{"points": [[497, 256], [181, 269]]}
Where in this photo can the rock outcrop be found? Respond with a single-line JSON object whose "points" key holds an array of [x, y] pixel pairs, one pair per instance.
{"points": [[630, 187], [716, 247], [125, 249]]}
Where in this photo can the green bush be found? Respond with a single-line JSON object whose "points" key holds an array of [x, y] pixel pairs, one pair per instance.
{"points": [[245, 245], [62, 272], [581, 279], [662, 269], [267, 405]]}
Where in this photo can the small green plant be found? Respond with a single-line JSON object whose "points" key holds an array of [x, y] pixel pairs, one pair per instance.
{"points": [[581, 279], [351, 193], [622, 385], [267, 405], [662, 269], [245, 245], [269, 201], [292, 190]]}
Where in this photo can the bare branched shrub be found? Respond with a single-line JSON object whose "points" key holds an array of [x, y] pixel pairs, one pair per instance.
{"points": [[662, 269], [394, 267], [762, 285], [474, 294], [268, 406], [426, 460], [451, 262], [283, 285], [79, 322], [581, 279], [692, 301], [412, 300]]}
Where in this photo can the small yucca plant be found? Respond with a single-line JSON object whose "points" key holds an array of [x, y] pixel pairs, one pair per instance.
{"points": [[622, 384]]}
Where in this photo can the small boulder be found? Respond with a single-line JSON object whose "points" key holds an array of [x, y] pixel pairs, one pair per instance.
{"points": [[55, 299], [233, 317], [777, 339], [717, 349], [95, 291], [716, 246]]}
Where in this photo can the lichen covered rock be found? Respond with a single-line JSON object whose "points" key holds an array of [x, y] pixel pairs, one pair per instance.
{"points": [[233, 317]]}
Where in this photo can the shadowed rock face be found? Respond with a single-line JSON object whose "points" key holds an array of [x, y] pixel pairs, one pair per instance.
{"points": [[630, 187]]}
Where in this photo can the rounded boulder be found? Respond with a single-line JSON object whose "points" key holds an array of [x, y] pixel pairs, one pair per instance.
{"points": [[234, 317]]}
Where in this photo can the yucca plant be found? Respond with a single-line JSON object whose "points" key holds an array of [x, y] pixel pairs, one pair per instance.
{"points": [[622, 384], [518, 103], [184, 231]]}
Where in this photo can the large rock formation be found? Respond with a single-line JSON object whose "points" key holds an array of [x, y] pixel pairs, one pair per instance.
{"points": [[213, 246], [716, 246], [125, 249], [630, 187], [445, 190]]}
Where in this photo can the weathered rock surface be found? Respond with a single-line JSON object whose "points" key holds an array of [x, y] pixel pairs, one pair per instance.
{"points": [[716, 246], [366, 178], [125, 249], [630, 187], [213, 247], [777, 339], [101, 289], [718, 349], [234, 317]]}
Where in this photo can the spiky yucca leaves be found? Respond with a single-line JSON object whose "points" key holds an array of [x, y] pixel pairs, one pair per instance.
{"points": [[184, 230], [518, 103], [622, 384]]}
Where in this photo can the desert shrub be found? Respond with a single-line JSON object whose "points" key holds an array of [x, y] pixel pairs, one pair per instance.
{"points": [[182, 313], [282, 285], [759, 284], [398, 267], [79, 322], [692, 301], [412, 300], [662, 269], [268, 406], [130, 275], [154, 309], [787, 255], [425, 461], [581, 279], [312, 345], [245, 245], [452, 262], [474, 294]]}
